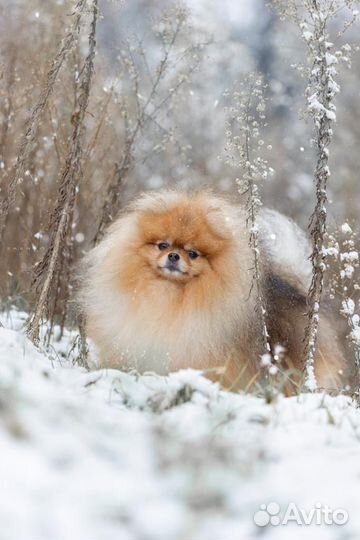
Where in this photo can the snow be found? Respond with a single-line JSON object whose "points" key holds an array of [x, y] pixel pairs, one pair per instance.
{"points": [[348, 306], [330, 58], [114, 455], [331, 115], [346, 229], [310, 381], [307, 35], [351, 256]]}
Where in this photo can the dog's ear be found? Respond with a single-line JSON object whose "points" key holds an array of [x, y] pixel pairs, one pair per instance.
{"points": [[223, 219]]}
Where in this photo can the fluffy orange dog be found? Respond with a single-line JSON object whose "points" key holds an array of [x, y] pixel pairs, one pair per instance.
{"points": [[170, 287]]}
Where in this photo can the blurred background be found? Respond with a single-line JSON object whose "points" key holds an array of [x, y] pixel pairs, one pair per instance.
{"points": [[156, 117]]}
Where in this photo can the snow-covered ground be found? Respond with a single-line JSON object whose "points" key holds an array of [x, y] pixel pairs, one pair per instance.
{"points": [[108, 455]]}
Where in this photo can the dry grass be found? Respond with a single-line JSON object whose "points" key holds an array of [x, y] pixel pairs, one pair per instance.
{"points": [[65, 165]]}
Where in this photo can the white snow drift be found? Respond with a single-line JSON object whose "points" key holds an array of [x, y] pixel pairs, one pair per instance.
{"points": [[109, 455]]}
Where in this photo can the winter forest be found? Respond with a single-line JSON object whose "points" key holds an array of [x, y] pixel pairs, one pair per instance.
{"points": [[103, 100]]}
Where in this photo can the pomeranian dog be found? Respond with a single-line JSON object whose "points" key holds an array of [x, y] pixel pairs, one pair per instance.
{"points": [[171, 286]]}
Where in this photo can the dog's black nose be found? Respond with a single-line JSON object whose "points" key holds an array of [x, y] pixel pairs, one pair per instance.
{"points": [[173, 257]]}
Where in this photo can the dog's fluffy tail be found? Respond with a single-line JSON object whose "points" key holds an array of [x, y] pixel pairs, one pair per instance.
{"points": [[285, 245]]}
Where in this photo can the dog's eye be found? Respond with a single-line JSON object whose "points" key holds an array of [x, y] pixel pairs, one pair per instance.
{"points": [[163, 245], [193, 254]]}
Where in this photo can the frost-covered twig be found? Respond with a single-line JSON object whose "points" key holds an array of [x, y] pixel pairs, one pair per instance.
{"points": [[314, 18], [321, 91], [244, 150]]}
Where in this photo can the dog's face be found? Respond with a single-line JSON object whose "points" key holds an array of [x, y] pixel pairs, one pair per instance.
{"points": [[179, 244], [176, 261]]}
